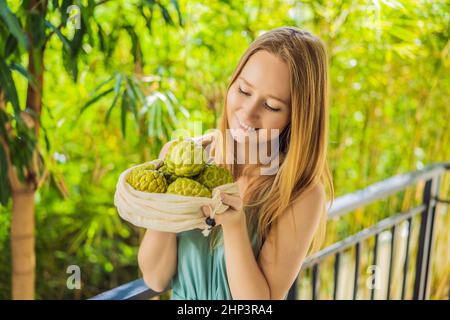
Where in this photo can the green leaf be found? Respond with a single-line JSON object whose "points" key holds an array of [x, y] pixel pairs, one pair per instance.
{"points": [[70, 64], [174, 100], [4, 183], [47, 141], [148, 20], [123, 115], [95, 99], [8, 85], [22, 147], [151, 119], [63, 11], [137, 90], [19, 68], [4, 119], [116, 96], [132, 100], [159, 123], [10, 46], [169, 108], [13, 24], [165, 14], [136, 50], [64, 40], [36, 25], [177, 7], [101, 38], [99, 86]]}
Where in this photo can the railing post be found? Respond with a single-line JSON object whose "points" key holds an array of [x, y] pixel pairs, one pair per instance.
{"points": [[292, 294], [421, 287]]}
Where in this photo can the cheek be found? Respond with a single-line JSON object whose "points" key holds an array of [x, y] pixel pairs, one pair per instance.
{"points": [[232, 100], [277, 121], [232, 104]]}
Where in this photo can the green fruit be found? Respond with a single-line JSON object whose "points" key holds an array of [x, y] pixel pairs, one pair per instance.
{"points": [[185, 158], [188, 187], [150, 165], [147, 180], [213, 176], [169, 177]]}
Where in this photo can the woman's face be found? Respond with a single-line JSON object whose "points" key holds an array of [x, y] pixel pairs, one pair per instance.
{"points": [[259, 99]]}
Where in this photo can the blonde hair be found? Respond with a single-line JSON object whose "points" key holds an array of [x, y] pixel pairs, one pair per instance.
{"points": [[303, 143]]}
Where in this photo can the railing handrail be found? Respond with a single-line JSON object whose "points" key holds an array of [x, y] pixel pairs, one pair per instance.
{"points": [[360, 236], [133, 290], [383, 189], [138, 290]]}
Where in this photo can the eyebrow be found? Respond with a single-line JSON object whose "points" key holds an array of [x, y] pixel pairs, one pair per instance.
{"points": [[270, 96]]}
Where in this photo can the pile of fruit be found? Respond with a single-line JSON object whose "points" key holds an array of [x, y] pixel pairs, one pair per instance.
{"points": [[183, 171]]}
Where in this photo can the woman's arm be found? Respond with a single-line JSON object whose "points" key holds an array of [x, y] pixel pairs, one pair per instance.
{"points": [[245, 278], [157, 257]]}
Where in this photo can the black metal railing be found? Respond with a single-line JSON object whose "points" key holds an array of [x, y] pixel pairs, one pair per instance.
{"points": [[426, 211]]}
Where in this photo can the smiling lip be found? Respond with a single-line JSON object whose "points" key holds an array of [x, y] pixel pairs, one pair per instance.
{"points": [[243, 126]]}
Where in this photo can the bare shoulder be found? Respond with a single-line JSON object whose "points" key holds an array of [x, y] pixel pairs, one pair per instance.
{"points": [[316, 193], [311, 202]]}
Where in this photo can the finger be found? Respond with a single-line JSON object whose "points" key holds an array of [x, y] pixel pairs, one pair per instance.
{"points": [[235, 202], [206, 211], [206, 140]]}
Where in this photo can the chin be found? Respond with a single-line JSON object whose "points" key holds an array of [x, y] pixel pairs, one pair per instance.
{"points": [[238, 135]]}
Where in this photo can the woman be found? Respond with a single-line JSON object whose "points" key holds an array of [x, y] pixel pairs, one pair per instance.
{"points": [[256, 249]]}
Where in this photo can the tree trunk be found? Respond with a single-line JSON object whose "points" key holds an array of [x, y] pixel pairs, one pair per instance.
{"points": [[22, 227], [22, 234], [22, 245]]}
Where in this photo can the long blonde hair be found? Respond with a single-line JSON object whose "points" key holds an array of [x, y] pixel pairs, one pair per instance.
{"points": [[303, 143]]}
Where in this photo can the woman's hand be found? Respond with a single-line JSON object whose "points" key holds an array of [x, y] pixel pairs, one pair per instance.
{"points": [[233, 217]]}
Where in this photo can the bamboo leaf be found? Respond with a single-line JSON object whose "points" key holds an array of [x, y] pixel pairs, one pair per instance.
{"points": [[174, 100], [36, 25], [159, 121], [13, 24], [169, 108], [10, 46], [123, 115], [137, 90], [64, 40], [177, 7], [148, 20], [19, 68], [95, 99], [151, 119], [8, 85], [165, 13], [132, 101], [116, 96], [4, 119], [98, 87]]}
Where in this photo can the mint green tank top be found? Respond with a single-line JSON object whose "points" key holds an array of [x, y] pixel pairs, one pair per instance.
{"points": [[201, 275]]}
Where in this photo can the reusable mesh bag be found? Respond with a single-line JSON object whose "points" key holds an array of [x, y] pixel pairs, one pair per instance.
{"points": [[167, 212]]}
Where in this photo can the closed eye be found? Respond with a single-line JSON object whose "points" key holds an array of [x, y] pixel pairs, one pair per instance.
{"points": [[265, 104], [243, 92]]}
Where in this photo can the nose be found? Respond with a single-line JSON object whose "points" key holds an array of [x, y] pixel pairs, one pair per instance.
{"points": [[250, 112]]}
